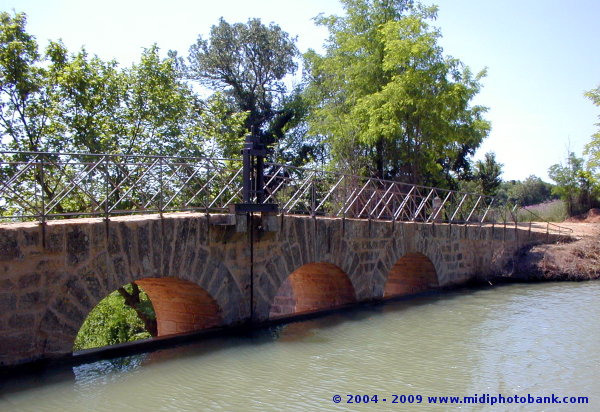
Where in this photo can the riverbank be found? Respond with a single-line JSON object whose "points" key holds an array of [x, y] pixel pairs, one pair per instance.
{"points": [[574, 259]]}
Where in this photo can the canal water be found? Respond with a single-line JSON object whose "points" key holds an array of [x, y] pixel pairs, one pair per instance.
{"points": [[521, 339]]}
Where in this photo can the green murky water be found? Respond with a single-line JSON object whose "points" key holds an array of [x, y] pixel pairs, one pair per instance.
{"points": [[537, 339]]}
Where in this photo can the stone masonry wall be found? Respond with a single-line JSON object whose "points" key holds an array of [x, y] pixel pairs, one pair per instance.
{"points": [[50, 281]]}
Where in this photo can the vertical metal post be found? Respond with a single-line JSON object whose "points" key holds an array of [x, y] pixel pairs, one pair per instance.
{"points": [[160, 179], [206, 198], [246, 172], [260, 179], [106, 195], [106, 188], [345, 197], [43, 194], [313, 200]]}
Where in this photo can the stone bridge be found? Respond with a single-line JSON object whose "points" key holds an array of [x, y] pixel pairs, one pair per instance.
{"points": [[202, 271]]}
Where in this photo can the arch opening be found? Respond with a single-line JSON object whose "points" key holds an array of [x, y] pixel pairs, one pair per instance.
{"points": [[311, 288], [412, 273], [164, 306]]}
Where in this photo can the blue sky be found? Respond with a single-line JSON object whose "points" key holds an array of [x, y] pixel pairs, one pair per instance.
{"points": [[541, 55]]}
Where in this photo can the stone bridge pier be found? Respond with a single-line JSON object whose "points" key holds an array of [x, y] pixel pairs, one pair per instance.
{"points": [[204, 271]]}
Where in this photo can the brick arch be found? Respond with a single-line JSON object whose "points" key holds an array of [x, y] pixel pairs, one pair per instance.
{"points": [[208, 282], [311, 288], [181, 306], [412, 273]]}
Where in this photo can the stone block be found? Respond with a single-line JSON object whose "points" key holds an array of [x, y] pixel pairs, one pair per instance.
{"points": [[21, 320], [30, 300], [8, 301], [30, 280], [9, 248], [270, 222], [78, 246], [31, 238], [222, 219]]}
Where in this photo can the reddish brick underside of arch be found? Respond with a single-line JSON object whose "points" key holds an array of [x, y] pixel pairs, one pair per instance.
{"points": [[413, 273], [180, 306], [313, 287]]}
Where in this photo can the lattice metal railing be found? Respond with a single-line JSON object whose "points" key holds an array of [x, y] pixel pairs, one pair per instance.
{"points": [[315, 192], [51, 185], [42, 186]]}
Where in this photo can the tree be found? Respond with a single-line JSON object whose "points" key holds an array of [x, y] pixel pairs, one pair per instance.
{"points": [[248, 63], [137, 300], [531, 191], [488, 172], [61, 101], [593, 147], [575, 185], [387, 100], [88, 93], [25, 102]]}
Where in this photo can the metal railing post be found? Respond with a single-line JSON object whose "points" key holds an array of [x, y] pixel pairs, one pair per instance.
{"points": [[313, 200], [106, 188], [43, 194], [160, 180]]}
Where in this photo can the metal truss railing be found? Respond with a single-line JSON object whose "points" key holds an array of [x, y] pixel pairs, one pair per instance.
{"points": [[321, 193], [42, 186], [39, 186]]}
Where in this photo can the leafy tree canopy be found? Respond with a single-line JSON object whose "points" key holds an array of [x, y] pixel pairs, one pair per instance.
{"points": [[531, 191], [249, 62], [385, 97], [574, 184], [488, 172], [593, 147], [61, 101]]}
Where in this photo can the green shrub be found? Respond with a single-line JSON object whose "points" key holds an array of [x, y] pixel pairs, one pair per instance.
{"points": [[112, 322]]}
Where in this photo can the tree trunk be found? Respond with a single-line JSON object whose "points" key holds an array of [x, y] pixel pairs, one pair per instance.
{"points": [[133, 301], [379, 147]]}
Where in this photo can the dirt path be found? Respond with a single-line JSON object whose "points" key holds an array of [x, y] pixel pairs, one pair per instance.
{"points": [[575, 259]]}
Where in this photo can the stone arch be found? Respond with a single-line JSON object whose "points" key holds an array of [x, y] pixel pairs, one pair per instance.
{"points": [[207, 285], [412, 273], [311, 288]]}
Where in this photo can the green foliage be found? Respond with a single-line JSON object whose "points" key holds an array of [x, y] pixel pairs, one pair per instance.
{"points": [[482, 177], [576, 186], [531, 191], [248, 63], [593, 147], [25, 101], [388, 101], [60, 101], [112, 322], [488, 172]]}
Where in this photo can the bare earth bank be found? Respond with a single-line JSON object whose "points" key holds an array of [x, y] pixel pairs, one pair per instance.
{"points": [[575, 259]]}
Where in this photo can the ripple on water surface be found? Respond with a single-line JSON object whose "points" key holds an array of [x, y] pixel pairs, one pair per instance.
{"points": [[517, 339]]}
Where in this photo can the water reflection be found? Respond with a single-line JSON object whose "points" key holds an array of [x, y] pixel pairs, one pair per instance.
{"points": [[107, 371]]}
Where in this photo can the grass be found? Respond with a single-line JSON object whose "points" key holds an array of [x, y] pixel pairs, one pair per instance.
{"points": [[553, 211]]}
